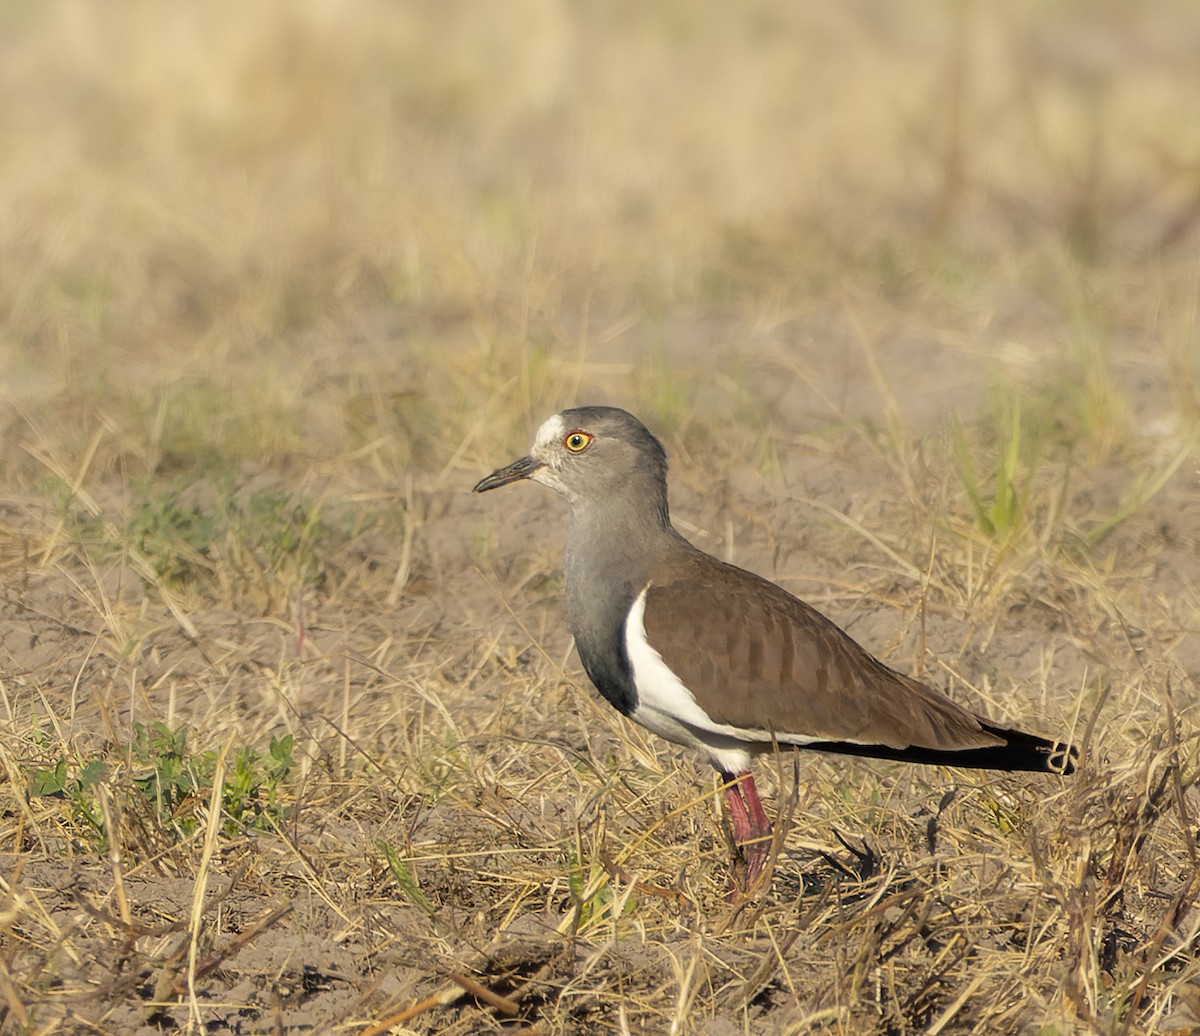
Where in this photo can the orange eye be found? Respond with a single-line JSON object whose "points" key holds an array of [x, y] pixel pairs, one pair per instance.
{"points": [[577, 441]]}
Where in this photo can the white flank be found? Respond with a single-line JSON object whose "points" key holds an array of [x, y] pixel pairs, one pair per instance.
{"points": [[670, 710], [667, 708]]}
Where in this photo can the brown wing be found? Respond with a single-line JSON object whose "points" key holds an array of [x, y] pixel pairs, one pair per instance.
{"points": [[757, 658]]}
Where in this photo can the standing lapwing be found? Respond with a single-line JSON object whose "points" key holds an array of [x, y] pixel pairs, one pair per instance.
{"points": [[716, 658]]}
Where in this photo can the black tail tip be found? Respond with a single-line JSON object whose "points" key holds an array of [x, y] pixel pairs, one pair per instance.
{"points": [[1022, 751]]}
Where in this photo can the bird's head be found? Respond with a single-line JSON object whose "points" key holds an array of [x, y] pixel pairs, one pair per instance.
{"points": [[591, 455]]}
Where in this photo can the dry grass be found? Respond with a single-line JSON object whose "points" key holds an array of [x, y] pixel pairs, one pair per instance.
{"points": [[293, 739]]}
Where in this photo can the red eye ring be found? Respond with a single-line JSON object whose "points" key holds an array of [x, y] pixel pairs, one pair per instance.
{"points": [[578, 440]]}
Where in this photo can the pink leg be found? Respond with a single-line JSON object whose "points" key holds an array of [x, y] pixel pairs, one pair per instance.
{"points": [[739, 819], [760, 823], [750, 823], [758, 848]]}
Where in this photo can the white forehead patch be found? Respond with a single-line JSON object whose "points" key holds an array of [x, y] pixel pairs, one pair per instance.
{"points": [[550, 433]]}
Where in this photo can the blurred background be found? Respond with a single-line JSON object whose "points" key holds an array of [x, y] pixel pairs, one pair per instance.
{"points": [[299, 228]]}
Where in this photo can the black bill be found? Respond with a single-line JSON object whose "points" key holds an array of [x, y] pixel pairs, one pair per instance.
{"points": [[513, 472]]}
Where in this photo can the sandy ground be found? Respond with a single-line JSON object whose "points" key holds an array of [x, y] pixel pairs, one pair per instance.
{"points": [[461, 706]]}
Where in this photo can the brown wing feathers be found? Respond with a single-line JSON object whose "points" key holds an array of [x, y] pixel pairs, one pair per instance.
{"points": [[757, 658]]}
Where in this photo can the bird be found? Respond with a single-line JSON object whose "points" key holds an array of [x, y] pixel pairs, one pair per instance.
{"points": [[713, 657]]}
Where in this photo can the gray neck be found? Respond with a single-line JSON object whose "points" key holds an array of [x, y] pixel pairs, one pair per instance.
{"points": [[612, 551], [606, 549]]}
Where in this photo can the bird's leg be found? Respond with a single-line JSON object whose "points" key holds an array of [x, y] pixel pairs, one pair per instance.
{"points": [[751, 826], [739, 818], [759, 848]]}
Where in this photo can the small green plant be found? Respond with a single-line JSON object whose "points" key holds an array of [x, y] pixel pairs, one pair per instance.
{"points": [[60, 782], [1001, 514], [404, 878], [176, 783], [169, 784], [592, 892], [206, 538], [251, 795], [211, 425], [182, 541], [1146, 488], [176, 538], [79, 788]]}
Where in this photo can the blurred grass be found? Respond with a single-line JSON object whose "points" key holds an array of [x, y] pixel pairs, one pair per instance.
{"points": [[249, 190], [279, 281]]}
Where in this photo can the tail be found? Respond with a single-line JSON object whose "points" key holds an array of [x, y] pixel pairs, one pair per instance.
{"points": [[1020, 751]]}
